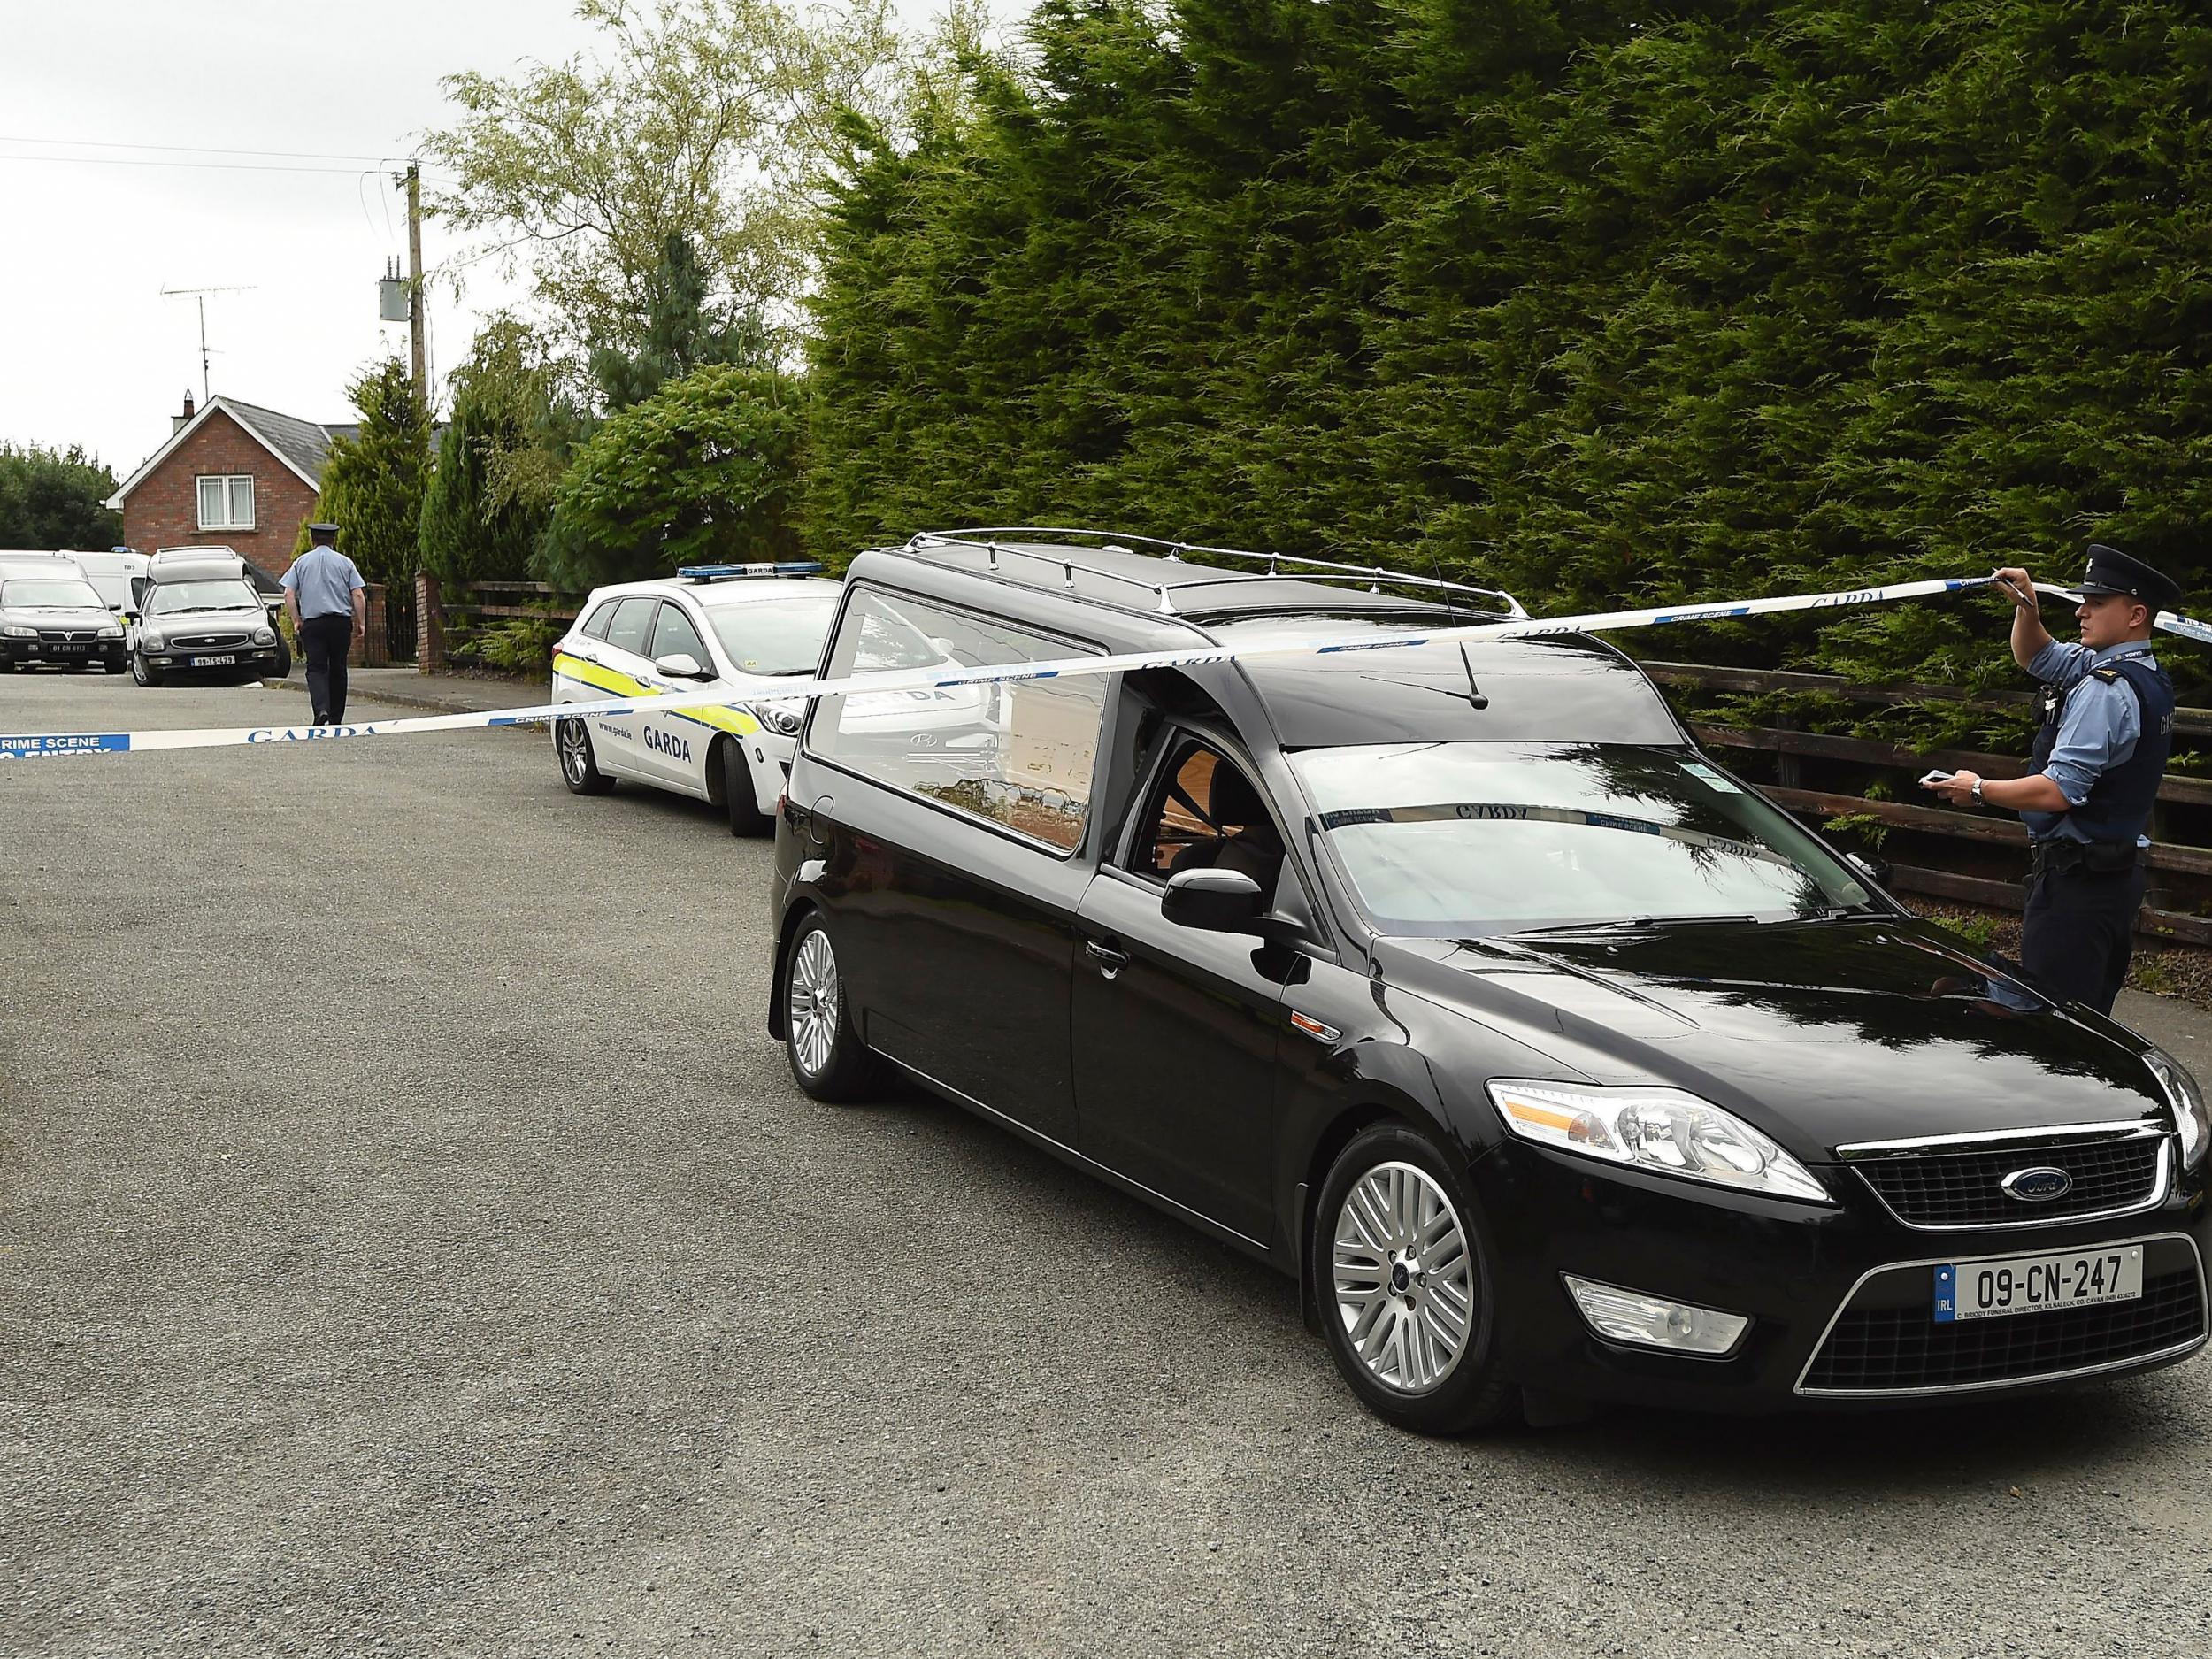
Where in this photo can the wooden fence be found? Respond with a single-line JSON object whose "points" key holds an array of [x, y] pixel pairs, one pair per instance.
{"points": [[1978, 857], [440, 604]]}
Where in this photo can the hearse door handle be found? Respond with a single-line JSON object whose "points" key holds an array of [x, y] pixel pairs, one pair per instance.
{"points": [[1111, 962]]}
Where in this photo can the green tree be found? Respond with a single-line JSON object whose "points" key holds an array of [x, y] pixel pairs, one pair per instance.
{"points": [[685, 329], [489, 496], [372, 484], [706, 119], [705, 470], [1603, 305], [52, 498]]}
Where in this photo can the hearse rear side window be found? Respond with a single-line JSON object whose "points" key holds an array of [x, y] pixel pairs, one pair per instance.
{"points": [[1021, 756]]}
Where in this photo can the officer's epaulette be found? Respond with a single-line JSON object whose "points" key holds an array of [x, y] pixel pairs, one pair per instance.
{"points": [[2107, 674]]}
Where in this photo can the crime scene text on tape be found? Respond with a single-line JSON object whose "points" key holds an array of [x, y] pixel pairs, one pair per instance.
{"points": [[37, 746]]}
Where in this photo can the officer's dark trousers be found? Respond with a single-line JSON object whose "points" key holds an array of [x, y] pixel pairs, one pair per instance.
{"points": [[2080, 932], [327, 640]]}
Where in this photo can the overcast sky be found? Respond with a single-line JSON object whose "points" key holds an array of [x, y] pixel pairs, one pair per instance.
{"points": [[93, 353]]}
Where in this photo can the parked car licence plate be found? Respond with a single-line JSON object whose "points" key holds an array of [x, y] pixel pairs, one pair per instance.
{"points": [[69, 650], [213, 662], [2037, 1283]]}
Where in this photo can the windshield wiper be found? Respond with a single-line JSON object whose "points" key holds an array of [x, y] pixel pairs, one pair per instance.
{"points": [[1631, 925]]}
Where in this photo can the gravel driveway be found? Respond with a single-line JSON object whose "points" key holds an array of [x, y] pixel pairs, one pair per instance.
{"points": [[411, 1242]]}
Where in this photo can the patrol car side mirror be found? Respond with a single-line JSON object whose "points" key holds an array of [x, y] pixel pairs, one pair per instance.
{"points": [[681, 666]]}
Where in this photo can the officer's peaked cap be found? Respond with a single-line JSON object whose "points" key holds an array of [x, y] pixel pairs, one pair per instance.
{"points": [[2113, 572]]}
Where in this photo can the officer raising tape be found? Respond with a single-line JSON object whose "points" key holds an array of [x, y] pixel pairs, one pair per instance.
{"points": [[2108, 723]]}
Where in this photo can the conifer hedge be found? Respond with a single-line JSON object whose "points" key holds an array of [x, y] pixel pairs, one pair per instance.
{"points": [[1598, 305]]}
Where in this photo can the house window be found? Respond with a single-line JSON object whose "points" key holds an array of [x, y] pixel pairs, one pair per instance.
{"points": [[227, 502]]}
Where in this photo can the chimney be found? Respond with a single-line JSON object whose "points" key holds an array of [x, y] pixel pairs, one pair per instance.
{"points": [[178, 423]]}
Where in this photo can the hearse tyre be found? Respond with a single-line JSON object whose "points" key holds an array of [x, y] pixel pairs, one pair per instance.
{"points": [[1403, 1289], [145, 672], [820, 1039]]}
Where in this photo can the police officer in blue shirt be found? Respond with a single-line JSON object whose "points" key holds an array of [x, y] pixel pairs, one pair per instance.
{"points": [[2107, 723], [328, 602]]}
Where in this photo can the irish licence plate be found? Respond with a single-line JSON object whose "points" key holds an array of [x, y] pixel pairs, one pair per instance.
{"points": [[2037, 1283], [213, 662]]}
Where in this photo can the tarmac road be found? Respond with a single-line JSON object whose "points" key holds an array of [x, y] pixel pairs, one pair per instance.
{"points": [[411, 1242]]}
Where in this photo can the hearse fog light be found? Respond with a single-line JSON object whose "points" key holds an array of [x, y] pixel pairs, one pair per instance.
{"points": [[2190, 1122], [1632, 1317], [1666, 1131]]}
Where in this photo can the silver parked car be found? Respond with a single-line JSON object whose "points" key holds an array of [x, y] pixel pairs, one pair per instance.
{"points": [[49, 613]]}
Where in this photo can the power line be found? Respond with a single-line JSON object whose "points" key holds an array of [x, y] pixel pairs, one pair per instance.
{"points": [[217, 166], [191, 149]]}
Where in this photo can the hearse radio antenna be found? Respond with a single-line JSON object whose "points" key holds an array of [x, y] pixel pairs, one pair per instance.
{"points": [[1475, 699]]}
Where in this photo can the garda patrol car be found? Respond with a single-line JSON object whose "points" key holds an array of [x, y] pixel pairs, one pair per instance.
{"points": [[733, 628]]}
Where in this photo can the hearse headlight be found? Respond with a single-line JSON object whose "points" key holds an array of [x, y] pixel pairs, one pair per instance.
{"points": [[2191, 1121], [1665, 1131], [264, 636], [150, 638], [777, 717]]}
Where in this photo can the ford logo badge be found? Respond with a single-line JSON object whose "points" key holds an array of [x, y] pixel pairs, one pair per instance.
{"points": [[2038, 1185]]}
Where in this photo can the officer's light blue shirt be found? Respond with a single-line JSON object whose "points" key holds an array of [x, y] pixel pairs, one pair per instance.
{"points": [[326, 581], [2102, 724]]}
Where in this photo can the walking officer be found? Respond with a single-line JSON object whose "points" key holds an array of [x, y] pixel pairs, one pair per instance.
{"points": [[329, 608], [2108, 723]]}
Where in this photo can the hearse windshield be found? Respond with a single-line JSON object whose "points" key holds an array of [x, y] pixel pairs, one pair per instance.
{"points": [[216, 593], [1468, 838]]}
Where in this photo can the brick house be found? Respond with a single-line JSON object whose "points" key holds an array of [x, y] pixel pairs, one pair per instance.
{"points": [[231, 474]]}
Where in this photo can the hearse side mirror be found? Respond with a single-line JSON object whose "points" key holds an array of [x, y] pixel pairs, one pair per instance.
{"points": [[1875, 870], [681, 665], [1222, 902]]}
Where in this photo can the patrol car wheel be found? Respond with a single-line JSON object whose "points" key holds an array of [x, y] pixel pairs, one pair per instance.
{"points": [[746, 818], [1405, 1295], [143, 672], [580, 770], [826, 1055]]}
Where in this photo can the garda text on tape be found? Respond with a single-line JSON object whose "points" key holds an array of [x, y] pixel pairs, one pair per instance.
{"points": [[45, 745]]}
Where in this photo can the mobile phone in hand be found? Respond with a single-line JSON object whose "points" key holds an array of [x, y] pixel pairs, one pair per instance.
{"points": [[1934, 778]]}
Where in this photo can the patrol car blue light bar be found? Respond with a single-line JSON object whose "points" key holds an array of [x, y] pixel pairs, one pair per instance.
{"points": [[737, 572]]}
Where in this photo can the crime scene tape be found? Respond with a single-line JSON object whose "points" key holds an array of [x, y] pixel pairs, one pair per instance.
{"points": [[48, 745]]}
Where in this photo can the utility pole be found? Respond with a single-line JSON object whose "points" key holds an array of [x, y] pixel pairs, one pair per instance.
{"points": [[415, 319]]}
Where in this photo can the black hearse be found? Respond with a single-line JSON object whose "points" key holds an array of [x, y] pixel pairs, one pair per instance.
{"points": [[1555, 1062]]}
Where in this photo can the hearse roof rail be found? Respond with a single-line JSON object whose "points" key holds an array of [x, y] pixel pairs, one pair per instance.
{"points": [[1004, 543]]}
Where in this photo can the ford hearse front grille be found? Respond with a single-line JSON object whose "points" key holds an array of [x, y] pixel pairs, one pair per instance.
{"points": [[2109, 1169]]}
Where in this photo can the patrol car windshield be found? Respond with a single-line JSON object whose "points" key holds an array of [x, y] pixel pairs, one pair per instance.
{"points": [[1467, 839], [49, 594], [775, 637], [218, 595]]}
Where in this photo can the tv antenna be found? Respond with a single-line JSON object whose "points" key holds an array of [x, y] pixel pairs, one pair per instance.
{"points": [[199, 296]]}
